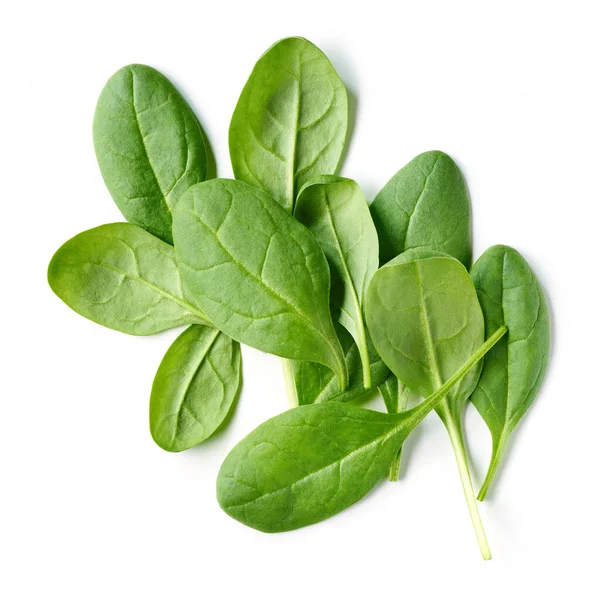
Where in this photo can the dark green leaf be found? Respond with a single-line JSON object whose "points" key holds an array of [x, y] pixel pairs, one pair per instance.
{"points": [[425, 204], [149, 146], [513, 371]]}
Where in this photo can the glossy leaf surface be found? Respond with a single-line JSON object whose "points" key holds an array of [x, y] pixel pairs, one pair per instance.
{"points": [[290, 122], [513, 371], [194, 388], [124, 278], [149, 146], [257, 272]]}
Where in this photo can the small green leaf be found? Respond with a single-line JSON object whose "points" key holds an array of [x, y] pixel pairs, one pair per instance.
{"points": [[513, 372], [425, 204], [290, 122], [194, 389], [122, 277], [257, 272], [335, 211], [149, 146]]}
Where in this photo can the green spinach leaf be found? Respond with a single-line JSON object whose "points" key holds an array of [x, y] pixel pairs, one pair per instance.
{"points": [[314, 461], [149, 146], [425, 204], [290, 122], [195, 387], [424, 318], [335, 211], [316, 383], [257, 272], [124, 278], [513, 372]]}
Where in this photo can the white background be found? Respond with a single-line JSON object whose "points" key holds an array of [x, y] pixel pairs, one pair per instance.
{"points": [[90, 506]]}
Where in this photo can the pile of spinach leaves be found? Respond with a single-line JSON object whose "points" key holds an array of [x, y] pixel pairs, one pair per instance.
{"points": [[291, 259]]}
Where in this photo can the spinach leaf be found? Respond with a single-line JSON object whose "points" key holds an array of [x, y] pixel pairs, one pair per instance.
{"points": [[314, 461], [395, 396], [195, 387], [425, 204], [513, 372], [335, 211], [290, 122], [257, 272], [316, 383], [149, 146], [425, 319], [122, 277]]}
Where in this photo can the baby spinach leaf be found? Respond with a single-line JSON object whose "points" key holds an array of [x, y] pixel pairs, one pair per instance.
{"points": [[335, 211], [149, 146], [316, 383], [513, 372], [314, 461], [122, 277], [195, 387], [425, 204], [290, 122], [257, 272], [395, 396], [425, 319]]}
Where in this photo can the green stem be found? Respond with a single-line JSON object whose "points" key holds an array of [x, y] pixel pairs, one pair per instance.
{"points": [[401, 403], [363, 351], [394, 473], [497, 453], [458, 445], [287, 367]]}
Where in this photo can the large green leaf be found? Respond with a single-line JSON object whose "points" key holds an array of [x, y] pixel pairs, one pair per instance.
{"points": [[257, 272], [314, 461], [149, 146], [194, 388], [513, 371], [425, 204], [122, 277], [335, 211], [290, 122]]}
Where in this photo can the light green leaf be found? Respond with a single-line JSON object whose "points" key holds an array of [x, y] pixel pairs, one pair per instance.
{"points": [[290, 122], [122, 277]]}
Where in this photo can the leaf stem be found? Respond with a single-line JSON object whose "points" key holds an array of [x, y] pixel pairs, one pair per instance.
{"points": [[456, 438], [364, 354], [287, 366], [497, 453]]}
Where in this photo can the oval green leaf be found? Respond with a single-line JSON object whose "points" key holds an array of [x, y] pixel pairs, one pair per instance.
{"points": [[257, 272], [314, 461], [335, 211], [425, 204], [513, 371], [124, 278], [195, 387], [149, 146], [290, 122]]}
